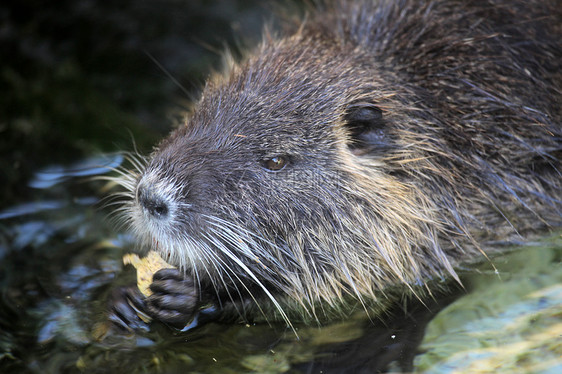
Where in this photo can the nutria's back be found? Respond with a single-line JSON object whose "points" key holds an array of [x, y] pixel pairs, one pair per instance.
{"points": [[380, 144]]}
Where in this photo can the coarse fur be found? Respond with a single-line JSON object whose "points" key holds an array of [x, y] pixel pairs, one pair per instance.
{"points": [[416, 135]]}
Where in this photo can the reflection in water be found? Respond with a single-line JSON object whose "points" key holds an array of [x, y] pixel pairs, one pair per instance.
{"points": [[510, 323], [60, 258], [55, 174]]}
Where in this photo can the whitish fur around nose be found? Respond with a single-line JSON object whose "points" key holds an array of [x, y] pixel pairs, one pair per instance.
{"points": [[151, 202]]}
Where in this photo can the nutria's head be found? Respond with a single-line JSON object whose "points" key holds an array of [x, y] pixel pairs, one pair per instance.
{"points": [[293, 178]]}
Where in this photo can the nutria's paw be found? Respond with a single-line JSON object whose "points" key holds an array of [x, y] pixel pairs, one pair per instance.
{"points": [[175, 297], [126, 306]]}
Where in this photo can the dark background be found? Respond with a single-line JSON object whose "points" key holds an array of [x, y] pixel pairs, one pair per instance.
{"points": [[82, 76]]}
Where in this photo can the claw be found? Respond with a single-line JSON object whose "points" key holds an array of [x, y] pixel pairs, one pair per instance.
{"points": [[127, 309]]}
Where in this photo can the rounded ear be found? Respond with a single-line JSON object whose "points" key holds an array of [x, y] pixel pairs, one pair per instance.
{"points": [[366, 127]]}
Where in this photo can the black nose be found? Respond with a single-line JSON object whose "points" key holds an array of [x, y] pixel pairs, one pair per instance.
{"points": [[155, 205]]}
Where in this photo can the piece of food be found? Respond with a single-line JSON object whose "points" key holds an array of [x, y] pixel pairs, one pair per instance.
{"points": [[146, 267]]}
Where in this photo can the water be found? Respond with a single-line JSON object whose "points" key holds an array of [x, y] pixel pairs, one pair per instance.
{"points": [[508, 322], [61, 256]]}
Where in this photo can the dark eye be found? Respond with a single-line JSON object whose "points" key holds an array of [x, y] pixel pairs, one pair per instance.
{"points": [[275, 163]]}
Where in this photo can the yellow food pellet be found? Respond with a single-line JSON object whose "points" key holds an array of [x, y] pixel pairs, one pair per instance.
{"points": [[146, 267]]}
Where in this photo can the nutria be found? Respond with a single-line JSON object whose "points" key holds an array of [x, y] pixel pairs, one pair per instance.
{"points": [[375, 148]]}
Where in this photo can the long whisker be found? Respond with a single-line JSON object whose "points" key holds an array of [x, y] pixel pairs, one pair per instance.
{"points": [[240, 234], [225, 269], [251, 274]]}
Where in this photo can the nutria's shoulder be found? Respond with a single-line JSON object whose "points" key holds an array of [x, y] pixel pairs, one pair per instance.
{"points": [[377, 146]]}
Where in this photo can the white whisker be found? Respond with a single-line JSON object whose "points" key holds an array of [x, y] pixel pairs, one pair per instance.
{"points": [[251, 274]]}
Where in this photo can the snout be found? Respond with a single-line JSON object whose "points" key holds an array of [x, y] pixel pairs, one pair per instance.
{"points": [[152, 202]]}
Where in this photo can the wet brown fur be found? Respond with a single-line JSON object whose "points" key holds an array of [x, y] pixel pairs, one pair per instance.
{"points": [[468, 157]]}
